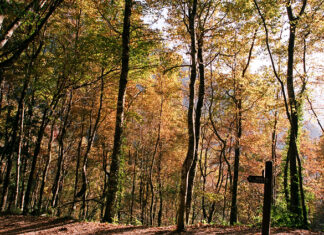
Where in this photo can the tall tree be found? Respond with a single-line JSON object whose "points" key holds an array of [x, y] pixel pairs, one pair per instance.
{"points": [[185, 169], [115, 156], [293, 110]]}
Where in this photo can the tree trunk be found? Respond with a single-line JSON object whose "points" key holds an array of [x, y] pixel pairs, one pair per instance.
{"points": [[200, 104], [292, 107], [153, 160], [160, 187], [104, 166], [31, 177], [76, 180], [48, 160], [211, 212], [22, 188], [237, 148], [9, 148], [191, 130], [274, 155], [141, 190], [18, 166], [91, 136], [233, 216], [203, 173], [225, 191], [133, 189], [60, 160], [114, 167], [294, 205]]}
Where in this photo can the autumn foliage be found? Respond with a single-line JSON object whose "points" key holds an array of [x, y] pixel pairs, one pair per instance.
{"points": [[201, 92]]}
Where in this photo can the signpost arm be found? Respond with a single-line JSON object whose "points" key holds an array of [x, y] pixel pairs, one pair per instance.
{"points": [[267, 199]]}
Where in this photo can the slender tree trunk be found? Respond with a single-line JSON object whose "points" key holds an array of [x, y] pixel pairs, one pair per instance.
{"points": [[292, 107], [76, 180], [92, 132], [60, 160], [211, 212], [160, 187], [191, 129], [9, 148], [22, 188], [233, 216], [313, 111], [199, 107], [274, 154], [104, 166], [203, 172], [133, 189], [285, 181], [18, 166], [47, 112], [28, 128], [302, 194], [114, 167], [225, 191], [237, 149], [145, 196], [294, 205], [48, 160], [31, 177], [34, 193], [193, 212], [141, 190], [153, 160]]}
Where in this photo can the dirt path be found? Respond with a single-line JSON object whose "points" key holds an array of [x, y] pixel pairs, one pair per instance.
{"points": [[47, 225]]}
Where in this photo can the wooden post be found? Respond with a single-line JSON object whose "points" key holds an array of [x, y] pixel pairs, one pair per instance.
{"points": [[267, 199]]}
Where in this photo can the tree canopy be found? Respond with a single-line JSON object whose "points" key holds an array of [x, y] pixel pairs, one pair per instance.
{"points": [[156, 112]]}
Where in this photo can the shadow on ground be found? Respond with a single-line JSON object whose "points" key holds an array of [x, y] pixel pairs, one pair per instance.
{"points": [[13, 226]]}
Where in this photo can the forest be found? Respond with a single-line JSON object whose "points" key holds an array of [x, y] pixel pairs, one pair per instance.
{"points": [[155, 112]]}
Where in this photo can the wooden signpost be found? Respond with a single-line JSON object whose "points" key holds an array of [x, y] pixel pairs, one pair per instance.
{"points": [[267, 198]]}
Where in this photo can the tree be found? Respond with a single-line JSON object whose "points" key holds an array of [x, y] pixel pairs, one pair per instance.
{"points": [[35, 11], [192, 10], [114, 168], [293, 110]]}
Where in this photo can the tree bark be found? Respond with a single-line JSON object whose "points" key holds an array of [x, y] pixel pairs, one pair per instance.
{"points": [[60, 160], [31, 177], [114, 167], [160, 186], [191, 129], [274, 154], [153, 160], [133, 188], [199, 107], [92, 133], [233, 216], [76, 179], [48, 160], [9, 147], [18, 166], [294, 107], [238, 134]]}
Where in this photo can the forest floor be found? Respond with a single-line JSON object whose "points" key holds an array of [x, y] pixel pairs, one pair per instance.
{"points": [[49, 225]]}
